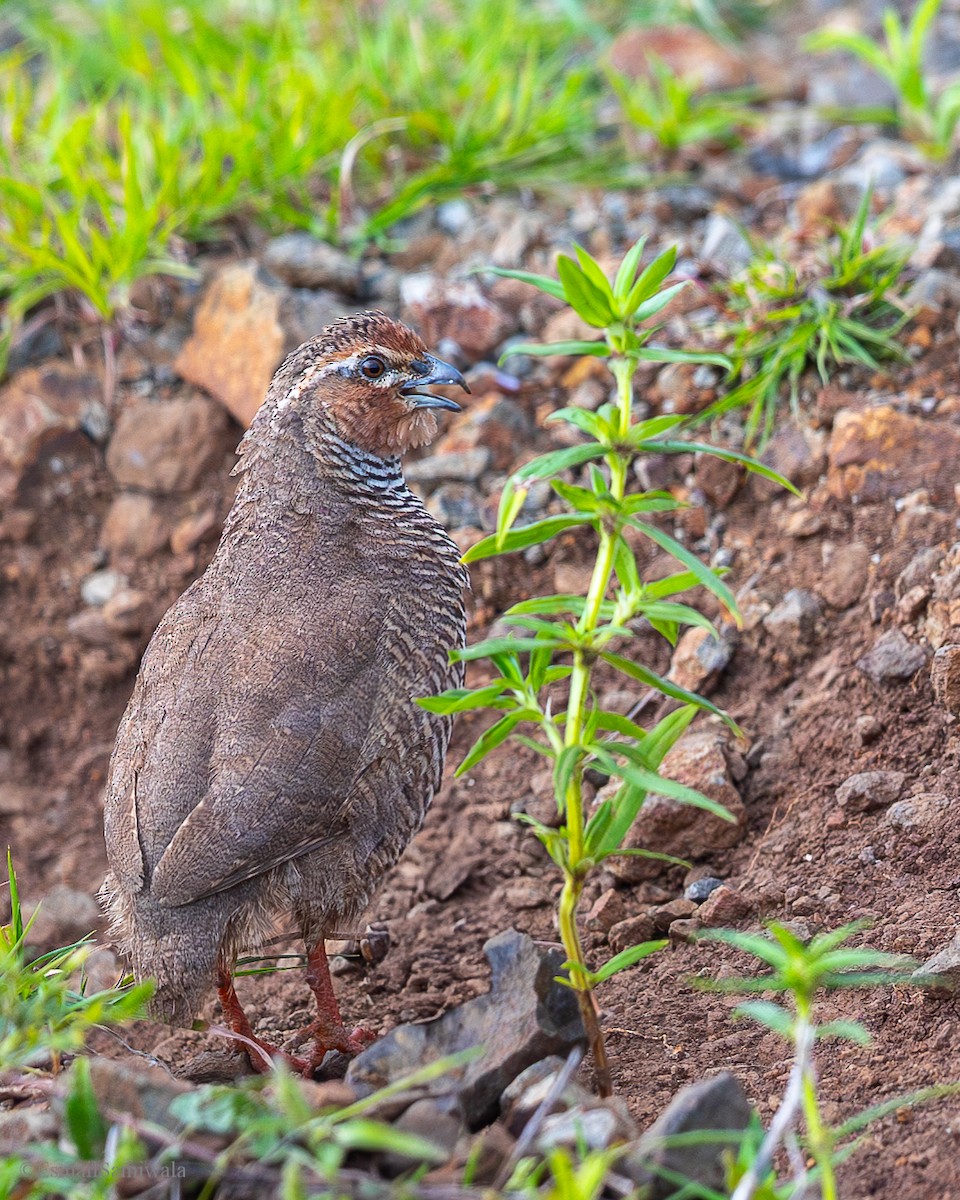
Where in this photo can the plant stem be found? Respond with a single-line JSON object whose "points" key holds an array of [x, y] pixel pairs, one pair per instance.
{"points": [[575, 870], [817, 1134]]}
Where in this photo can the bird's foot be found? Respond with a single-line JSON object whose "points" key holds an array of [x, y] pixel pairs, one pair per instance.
{"points": [[329, 1037], [263, 1056]]}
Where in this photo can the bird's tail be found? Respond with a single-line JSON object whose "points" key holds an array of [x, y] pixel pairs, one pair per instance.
{"points": [[182, 967]]}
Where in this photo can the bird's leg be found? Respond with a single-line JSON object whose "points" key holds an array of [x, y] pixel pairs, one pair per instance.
{"points": [[328, 1028], [238, 1021]]}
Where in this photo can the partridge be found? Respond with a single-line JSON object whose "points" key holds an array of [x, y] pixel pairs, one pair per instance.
{"points": [[272, 758]]}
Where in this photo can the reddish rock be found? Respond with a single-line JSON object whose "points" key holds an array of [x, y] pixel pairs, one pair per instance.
{"points": [[457, 310], [942, 623], [880, 453], [870, 789], [699, 659], [495, 423], [669, 827], [844, 579], [724, 906], [167, 446], [685, 388], [688, 52], [237, 341], [133, 526], [717, 478], [945, 675], [631, 932], [608, 910], [39, 406]]}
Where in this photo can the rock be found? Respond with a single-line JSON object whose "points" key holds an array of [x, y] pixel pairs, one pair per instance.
{"points": [[945, 676], [466, 465], [797, 453], [682, 388], [713, 1105], [942, 623], [39, 408], [23, 1126], [930, 293], [633, 931], [455, 506], [669, 827], [532, 1087], [892, 659], [844, 579], [596, 1128], [453, 216], [717, 478], [128, 612], [133, 526], [919, 571], [699, 658], [879, 453], [495, 423], [797, 615], [304, 313], [725, 248], [144, 1093], [724, 906], [607, 910], [911, 604], [425, 1119], [870, 790], [166, 446], [664, 915], [525, 1016], [688, 51], [304, 261], [237, 341], [99, 586], [64, 915], [924, 818], [699, 889], [194, 529], [868, 728], [945, 964], [460, 311]]}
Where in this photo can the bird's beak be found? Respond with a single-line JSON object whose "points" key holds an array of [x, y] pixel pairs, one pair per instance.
{"points": [[439, 373]]}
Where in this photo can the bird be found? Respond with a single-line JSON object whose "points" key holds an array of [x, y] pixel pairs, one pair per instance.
{"points": [[272, 759]]}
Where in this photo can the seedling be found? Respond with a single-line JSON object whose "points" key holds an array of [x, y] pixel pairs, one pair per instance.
{"points": [[927, 118], [567, 636], [839, 307]]}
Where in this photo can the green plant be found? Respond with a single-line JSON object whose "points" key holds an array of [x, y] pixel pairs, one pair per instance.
{"points": [[674, 112], [41, 1014], [924, 117], [575, 732], [800, 970], [839, 307]]}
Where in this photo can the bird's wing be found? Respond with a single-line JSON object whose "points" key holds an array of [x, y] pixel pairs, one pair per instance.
{"points": [[241, 741]]}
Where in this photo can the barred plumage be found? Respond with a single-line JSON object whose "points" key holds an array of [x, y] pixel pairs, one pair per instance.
{"points": [[272, 756]]}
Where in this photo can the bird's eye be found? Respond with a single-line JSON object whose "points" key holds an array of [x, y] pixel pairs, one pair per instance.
{"points": [[372, 367]]}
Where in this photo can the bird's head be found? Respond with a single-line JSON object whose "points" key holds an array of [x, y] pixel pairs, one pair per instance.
{"points": [[369, 377]]}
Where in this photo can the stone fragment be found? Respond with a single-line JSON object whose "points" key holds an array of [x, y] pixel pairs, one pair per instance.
{"points": [[796, 452], [891, 659], [941, 626], [128, 611], [145, 1094], [133, 526], [912, 603], [525, 1016], [796, 615], [700, 889], [532, 1087], [879, 453], [39, 407], [607, 910], [945, 676], [699, 658], [457, 310], [631, 932], [945, 964], [922, 817], [595, 1127], [666, 826], [664, 915], [844, 579], [714, 1105], [99, 586], [494, 422], [724, 248], [869, 790], [237, 341], [930, 293], [166, 446], [724, 906], [64, 915], [427, 1120], [717, 478], [683, 389], [868, 728], [465, 465], [305, 261]]}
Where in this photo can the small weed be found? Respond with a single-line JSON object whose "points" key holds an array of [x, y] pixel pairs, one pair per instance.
{"points": [[673, 112], [41, 1015], [839, 308], [574, 732], [926, 118]]}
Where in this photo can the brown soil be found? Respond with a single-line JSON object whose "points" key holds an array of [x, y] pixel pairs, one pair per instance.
{"points": [[473, 871]]}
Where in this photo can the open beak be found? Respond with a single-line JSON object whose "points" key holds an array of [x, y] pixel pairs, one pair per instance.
{"points": [[439, 373]]}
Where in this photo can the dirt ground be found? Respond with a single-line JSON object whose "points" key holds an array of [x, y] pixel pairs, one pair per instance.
{"points": [[474, 871]]}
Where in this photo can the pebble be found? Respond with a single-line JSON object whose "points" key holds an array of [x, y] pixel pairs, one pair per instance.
{"points": [[724, 906], [699, 658], [455, 506], [868, 728], [453, 216], [869, 790], [457, 310], [607, 910], [797, 613], [463, 465], [892, 659], [304, 261], [844, 579], [100, 586], [700, 889], [725, 247], [945, 676], [133, 525], [167, 446]]}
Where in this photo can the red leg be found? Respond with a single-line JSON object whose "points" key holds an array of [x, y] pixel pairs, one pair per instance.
{"points": [[238, 1021], [328, 1028]]}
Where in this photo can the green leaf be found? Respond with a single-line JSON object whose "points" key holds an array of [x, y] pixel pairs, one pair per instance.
{"points": [[627, 270], [848, 1031], [666, 733], [492, 737], [87, 1128], [627, 958], [463, 699], [704, 574], [364, 1134], [752, 464], [645, 779], [567, 349], [666, 686], [591, 269], [558, 460], [583, 296], [525, 535], [501, 645], [767, 1013], [650, 279], [542, 282]]}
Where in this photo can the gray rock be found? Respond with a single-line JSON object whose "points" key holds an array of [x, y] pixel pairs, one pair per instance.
{"points": [[455, 505], [99, 586], [725, 246], [453, 216], [700, 889], [596, 1128], [713, 1105], [425, 1119], [797, 613], [304, 261], [64, 915], [845, 574], [921, 816], [525, 1016], [945, 676], [465, 465], [146, 1093], [892, 659], [870, 789], [945, 963]]}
